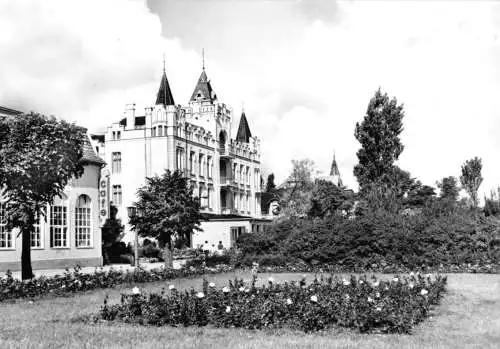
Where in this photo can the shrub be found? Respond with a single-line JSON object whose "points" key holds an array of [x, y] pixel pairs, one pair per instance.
{"points": [[393, 306], [376, 241]]}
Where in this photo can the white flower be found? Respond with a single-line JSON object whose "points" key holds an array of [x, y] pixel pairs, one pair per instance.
{"points": [[346, 282], [410, 285], [241, 289], [314, 299], [424, 292], [289, 301], [378, 309], [225, 289], [370, 299], [428, 276], [228, 309], [361, 282], [377, 294], [247, 290], [347, 297], [376, 283], [171, 287], [136, 290], [271, 279], [200, 295], [395, 279], [211, 285], [411, 274]]}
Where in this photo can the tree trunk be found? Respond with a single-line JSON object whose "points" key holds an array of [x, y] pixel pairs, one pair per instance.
{"points": [[26, 271], [168, 255]]}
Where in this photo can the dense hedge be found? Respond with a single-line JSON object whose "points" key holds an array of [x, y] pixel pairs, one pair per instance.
{"points": [[393, 306], [75, 281], [378, 241]]}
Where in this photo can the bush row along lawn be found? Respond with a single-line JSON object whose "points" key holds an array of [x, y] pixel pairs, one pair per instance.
{"points": [[366, 305]]}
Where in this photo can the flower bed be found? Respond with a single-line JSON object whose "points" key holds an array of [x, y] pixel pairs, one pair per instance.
{"points": [[393, 306], [75, 281]]}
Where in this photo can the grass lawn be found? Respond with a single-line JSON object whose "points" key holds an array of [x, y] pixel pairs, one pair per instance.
{"points": [[469, 317]]}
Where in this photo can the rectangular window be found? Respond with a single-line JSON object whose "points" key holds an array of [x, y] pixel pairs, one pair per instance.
{"points": [[200, 165], [210, 167], [236, 233], [160, 131], [58, 226], [116, 162], [248, 175], [82, 226], [118, 135], [36, 235], [242, 203], [114, 135], [5, 236], [191, 163], [117, 195], [179, 159], [242, 174], [153, 132], [209, 198]]}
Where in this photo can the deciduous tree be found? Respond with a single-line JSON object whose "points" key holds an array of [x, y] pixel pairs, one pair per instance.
{"points": [[471, 179], [378, 134], [169, 210], [38, 157]]}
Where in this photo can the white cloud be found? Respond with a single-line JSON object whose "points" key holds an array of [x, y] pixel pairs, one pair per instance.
{"points": [[305, 83]]}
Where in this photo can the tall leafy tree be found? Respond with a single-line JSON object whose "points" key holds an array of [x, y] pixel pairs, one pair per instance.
{"points": [[39, 155], [471, 179], [270, 185], [381, 145], [449, 188], [169, 210]]}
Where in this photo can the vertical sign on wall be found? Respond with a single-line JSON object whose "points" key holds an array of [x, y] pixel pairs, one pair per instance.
{"points": [[104, 197]]}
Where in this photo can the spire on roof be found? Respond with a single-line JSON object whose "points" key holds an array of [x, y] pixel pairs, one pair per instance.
{"points": [[334, 171], [203, 89], [164, 95], [244, 133]]}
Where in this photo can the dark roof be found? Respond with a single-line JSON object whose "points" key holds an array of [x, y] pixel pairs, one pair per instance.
{"points": [[89, 156], [164, 95], [100, 138], [203, 89], [244, 133], [208, 216], [139, 121], [8, 111]]}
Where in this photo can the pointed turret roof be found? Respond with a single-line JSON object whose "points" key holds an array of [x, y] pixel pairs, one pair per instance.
{"points": [[334, 171], [164, 95], [244, 133], [203, 89]]}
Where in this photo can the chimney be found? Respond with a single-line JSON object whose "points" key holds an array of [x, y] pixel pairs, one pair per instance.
{"points": [[130, 115]]}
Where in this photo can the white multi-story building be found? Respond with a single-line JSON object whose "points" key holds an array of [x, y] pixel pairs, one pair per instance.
{"points": [[195, 138]]}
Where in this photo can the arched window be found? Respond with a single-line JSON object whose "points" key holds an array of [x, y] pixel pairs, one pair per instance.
{"points": [[83, 222], [59, 222]]}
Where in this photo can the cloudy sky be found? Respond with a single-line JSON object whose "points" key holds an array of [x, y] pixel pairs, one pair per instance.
{"points": [[305, 70]]}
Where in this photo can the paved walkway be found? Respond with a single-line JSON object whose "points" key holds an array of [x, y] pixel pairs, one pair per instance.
{"points": [[89, 270]]}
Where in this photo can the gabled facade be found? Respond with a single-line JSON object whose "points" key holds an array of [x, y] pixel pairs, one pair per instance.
{"points": [[196, 139]]}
